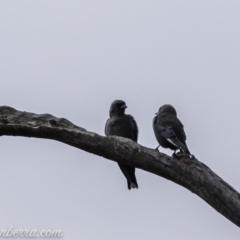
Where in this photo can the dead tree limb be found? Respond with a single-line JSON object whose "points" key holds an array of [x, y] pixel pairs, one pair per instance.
{"points": [[196, 176]]}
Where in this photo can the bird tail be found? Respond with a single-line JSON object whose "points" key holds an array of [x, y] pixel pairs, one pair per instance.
{"points": [[185, 149], [132, 184], [129, 173], [182, 146]]}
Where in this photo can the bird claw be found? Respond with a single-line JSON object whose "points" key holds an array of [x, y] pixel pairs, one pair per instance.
{"points": [[178, 155], [192, 156], [184, 157], [175, 153], [187, 159]]}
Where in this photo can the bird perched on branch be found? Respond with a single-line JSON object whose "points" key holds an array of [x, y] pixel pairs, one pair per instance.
{"points": [[123, 125], [169, 130]]}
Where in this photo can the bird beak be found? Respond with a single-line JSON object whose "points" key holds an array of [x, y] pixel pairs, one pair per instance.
{"points": [[124, 106], [156, 113]]}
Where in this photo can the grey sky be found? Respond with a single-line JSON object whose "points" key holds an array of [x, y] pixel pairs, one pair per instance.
{"points": [[72, 59]]}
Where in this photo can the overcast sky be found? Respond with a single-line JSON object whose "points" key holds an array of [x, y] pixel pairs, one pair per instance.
{"points": [[72, 59]]}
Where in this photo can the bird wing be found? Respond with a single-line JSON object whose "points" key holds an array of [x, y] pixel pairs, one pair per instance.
{"points": [[105, 130], [172, 130], [169, 134], [177, 127], [134, 128]]}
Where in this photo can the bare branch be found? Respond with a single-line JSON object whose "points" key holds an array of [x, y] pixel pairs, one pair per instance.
{"points": [[196, 176]]}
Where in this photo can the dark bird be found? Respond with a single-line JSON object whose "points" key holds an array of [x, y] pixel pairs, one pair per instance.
{"points": [[169, 130], [123, 125]]}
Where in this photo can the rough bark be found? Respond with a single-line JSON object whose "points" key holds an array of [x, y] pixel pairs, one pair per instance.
{"points": [[195, 176]]}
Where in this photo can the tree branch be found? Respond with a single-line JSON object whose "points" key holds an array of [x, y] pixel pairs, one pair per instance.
{"points": [[196, 176]]}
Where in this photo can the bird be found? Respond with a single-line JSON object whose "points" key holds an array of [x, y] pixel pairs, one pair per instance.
{"points": [[169, 130], [123, 125]]}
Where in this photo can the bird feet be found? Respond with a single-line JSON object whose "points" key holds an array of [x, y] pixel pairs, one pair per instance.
{"points": [[175, 154], [184, 157]]}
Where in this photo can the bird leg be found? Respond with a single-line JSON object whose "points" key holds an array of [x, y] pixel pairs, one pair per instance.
{"points": [[157, 147], [174, 153]]}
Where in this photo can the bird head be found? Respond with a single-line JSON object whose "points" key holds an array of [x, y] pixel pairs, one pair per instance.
{"points": [[167, 109], [117, 108]]}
